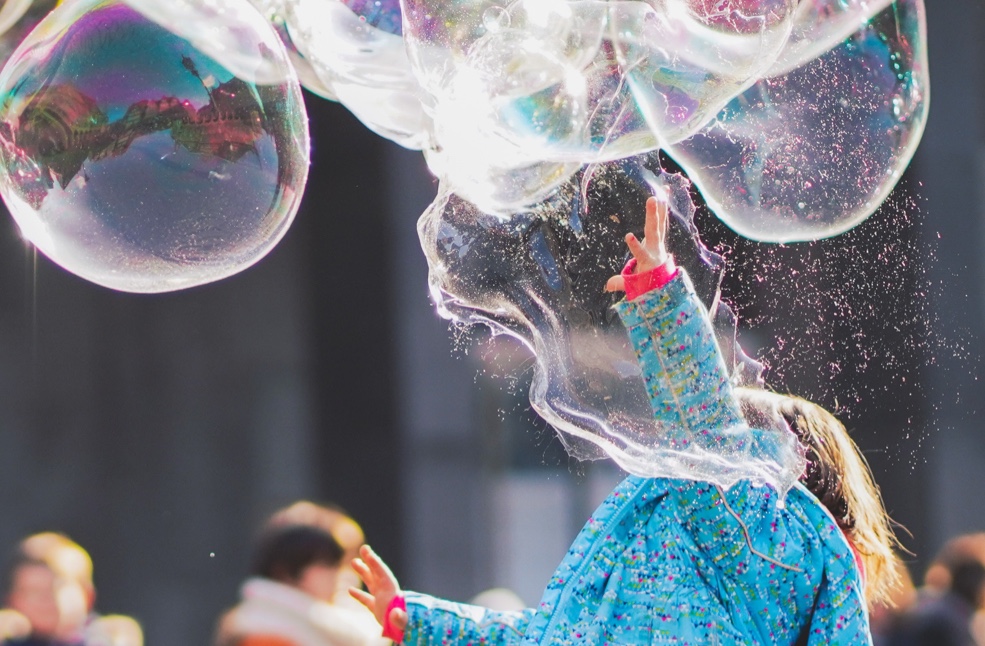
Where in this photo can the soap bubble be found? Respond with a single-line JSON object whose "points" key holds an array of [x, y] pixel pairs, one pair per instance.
{"points": [[813, 152], [152, 146], [352, 51], [556, 84], [819, 25], [794, 123], [539, 275]]}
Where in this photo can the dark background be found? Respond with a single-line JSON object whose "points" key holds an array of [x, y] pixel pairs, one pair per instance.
{"points": [[159, 430]]}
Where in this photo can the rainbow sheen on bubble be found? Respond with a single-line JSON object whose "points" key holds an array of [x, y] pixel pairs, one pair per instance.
{"points": [[150, 147], [793, 126]]}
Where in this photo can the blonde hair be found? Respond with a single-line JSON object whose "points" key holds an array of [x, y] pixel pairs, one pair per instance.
{"points": [[62, 555], [839, 476]]}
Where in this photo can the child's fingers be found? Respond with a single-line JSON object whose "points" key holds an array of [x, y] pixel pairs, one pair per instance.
{"points": [[364, 572], [650, 225], [616, 284], [636, 248], [662, 218], [376, 565], [398, 618], [363, 597]]}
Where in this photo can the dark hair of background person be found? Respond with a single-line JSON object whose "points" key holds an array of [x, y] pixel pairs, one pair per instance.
{"points": [[284, 551]]}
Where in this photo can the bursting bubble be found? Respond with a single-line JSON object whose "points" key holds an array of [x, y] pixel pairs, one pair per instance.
{"points": [[539, 277], [152, 146], [794, 123]]}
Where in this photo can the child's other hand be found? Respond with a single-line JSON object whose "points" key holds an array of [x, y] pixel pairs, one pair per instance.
{"points": [[381, 588], [652, 252]]}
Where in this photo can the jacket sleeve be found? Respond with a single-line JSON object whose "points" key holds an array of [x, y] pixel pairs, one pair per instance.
{"points": [[683, 370], [436, 621], [698, 432]]}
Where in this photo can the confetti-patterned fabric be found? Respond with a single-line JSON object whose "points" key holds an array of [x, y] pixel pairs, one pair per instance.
{"points": [[665, 561]]}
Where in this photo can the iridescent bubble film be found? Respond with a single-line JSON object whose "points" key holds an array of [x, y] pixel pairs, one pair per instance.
{"points": [[541, 86], [149, 147], [794, 120], [539, 277], [540, 118]]}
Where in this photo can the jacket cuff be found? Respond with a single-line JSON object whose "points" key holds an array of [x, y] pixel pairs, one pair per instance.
{"points": [[656, 278], [390, 631]]}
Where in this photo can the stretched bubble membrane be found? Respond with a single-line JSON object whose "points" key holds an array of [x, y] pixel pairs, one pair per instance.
{"points": [[152, 146], [539, 276], [811, 153]]}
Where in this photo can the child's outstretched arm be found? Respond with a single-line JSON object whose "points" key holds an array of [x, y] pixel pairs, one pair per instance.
{"points": [[413, 618], [685, 375], [382, 595]]}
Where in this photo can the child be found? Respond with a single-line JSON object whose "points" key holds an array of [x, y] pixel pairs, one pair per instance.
{"points": [[668, 561], [290, 599]]}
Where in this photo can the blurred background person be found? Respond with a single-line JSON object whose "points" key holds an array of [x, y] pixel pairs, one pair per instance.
{"points": [[50, 598], [946, 606], [296, 594], [885, 614]]}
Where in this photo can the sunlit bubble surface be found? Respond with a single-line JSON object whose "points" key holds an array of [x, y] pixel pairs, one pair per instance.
{"points": [[548, 85], [154, 146]]}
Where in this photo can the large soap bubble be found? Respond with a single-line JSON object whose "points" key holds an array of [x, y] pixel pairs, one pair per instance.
{"points": [[813, 152], [794, 118], [543, 86], [152, 146], [539, 275]]}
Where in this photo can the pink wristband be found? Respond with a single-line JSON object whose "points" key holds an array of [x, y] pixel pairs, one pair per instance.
{"points": [[639, 284], [390, 631]]}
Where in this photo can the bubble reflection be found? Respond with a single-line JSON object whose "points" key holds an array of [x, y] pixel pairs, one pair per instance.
{"points": [[135, 159]]}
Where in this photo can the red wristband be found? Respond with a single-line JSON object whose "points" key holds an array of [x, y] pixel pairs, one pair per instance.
{"points": [[390, 631], [639, 284]]}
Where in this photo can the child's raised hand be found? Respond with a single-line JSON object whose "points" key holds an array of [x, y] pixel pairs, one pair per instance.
{"points": [[652, 252], [381, 588]]}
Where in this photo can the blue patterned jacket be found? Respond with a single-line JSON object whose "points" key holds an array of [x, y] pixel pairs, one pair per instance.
{"points": [[667, 561]]}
